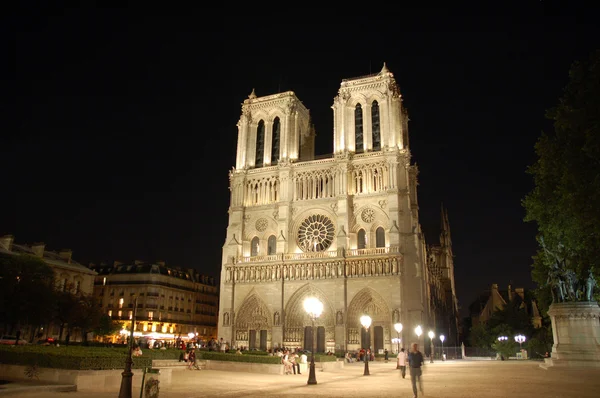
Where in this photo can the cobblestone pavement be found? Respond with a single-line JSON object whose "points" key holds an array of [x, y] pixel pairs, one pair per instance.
{"points": [[450, 379]]}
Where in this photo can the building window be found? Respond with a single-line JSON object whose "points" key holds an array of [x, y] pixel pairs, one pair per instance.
{"points": [[150, 315], [362, 239], [121, 302], [104, 281], [272, 245], [380, 237], [254, 247], [275, 141], [358, 129], [120, 313], [130, 314], [110, 313], [375, 124], [260, 144]]}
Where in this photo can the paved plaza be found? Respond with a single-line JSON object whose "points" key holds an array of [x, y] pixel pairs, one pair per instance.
{"points": [[450, 379]]}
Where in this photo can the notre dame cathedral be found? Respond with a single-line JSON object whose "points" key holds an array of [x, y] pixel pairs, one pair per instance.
{"points": [[344, 229]]}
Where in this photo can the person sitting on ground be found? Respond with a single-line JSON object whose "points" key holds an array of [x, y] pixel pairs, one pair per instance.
{"points": [[137, 351]]}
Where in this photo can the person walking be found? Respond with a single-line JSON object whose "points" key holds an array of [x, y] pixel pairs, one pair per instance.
{"points": [[402, 362], [415, 361]]}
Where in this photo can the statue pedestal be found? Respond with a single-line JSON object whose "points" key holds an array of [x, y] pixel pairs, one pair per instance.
{"points": [[576, 333]]}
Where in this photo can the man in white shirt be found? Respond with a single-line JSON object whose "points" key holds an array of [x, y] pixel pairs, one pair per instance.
{"points": [[402, 362]]}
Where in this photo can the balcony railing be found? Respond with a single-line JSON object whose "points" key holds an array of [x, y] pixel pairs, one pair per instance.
{"points": [[316, 255]]}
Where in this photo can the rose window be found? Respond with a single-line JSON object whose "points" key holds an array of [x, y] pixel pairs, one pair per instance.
{"points": [[368, 215], [315, 233], [261, 224]]}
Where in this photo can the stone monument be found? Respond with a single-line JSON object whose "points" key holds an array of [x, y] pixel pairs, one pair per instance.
{"points": [[575, 318]]}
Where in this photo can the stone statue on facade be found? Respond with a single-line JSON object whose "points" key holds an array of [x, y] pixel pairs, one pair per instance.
{"points": [[590, 283]]}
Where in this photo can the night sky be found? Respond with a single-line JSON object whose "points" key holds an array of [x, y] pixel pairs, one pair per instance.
{"points": [[125, 125]]}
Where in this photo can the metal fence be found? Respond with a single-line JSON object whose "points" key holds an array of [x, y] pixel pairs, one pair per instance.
{"points": [[457, 352]]}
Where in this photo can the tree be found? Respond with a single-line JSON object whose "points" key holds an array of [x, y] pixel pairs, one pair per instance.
{"points": [[565, 201], [107, 327], [26, 290], [86, 315]]}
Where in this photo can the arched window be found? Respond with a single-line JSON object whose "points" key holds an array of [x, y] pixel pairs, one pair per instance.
{"points": [[275, 142], [272, 245], [260, 144], [375, 124], [358, 129], [254, 247], [380, 237], [362, 239]]}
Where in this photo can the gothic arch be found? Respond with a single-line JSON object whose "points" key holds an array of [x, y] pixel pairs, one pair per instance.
{"points": [[369, 302], [296, 316], [381, 220], [254, 227], [253, 314], [358, 98], [375, 96], [277, 112]]}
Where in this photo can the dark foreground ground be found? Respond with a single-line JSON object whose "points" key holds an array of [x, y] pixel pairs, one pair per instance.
{"points": [[451, 379]]}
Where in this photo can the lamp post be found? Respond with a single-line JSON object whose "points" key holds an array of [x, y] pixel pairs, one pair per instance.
{"points": [[442, 338], [418, 332], [314, 308], [431, 336], [398, 327], [520, 339], [365, 320], [127, 375]]}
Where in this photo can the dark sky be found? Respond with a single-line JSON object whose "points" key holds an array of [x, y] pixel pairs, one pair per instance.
{"points": [[125, 125]]}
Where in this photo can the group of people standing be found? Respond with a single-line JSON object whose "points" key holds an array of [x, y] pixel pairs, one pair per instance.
{"points": [[414, 361]]}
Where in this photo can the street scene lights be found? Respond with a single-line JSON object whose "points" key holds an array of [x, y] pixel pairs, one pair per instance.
{"points": [[442, 338], [365, 320], [418, 331], [431, 336], [502, 338], [398, 327], [314, 308], [520, 339]]}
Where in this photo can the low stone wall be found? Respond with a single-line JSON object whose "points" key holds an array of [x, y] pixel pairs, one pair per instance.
{"points": [[93, 380]]}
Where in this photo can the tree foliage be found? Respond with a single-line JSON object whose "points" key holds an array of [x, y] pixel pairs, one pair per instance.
{"points": [[565, 200], [107, 326], [26, 290]]}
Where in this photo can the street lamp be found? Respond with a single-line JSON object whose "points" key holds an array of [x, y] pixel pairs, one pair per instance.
{"points": [[520, 339], [365, 320], [314, 308], [127, 375], [418, 331], [442, 338], [431, 336], [502, 338], [398, 327]]}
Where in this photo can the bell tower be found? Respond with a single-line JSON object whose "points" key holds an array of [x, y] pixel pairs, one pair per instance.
{"points": [[368, 115], [274, 129]]}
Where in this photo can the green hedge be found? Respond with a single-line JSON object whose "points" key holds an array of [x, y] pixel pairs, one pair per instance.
{"points": [[99, 358], [79, 357]]}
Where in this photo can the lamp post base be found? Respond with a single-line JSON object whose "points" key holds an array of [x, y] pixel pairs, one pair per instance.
{"points": [[126, 380], [366, 369], [312, 378]]}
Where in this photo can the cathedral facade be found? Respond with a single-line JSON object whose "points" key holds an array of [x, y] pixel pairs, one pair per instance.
{"points": [[344, 229]]}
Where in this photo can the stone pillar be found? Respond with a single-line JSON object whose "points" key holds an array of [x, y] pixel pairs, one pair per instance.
{"points": [[576, 333]]}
